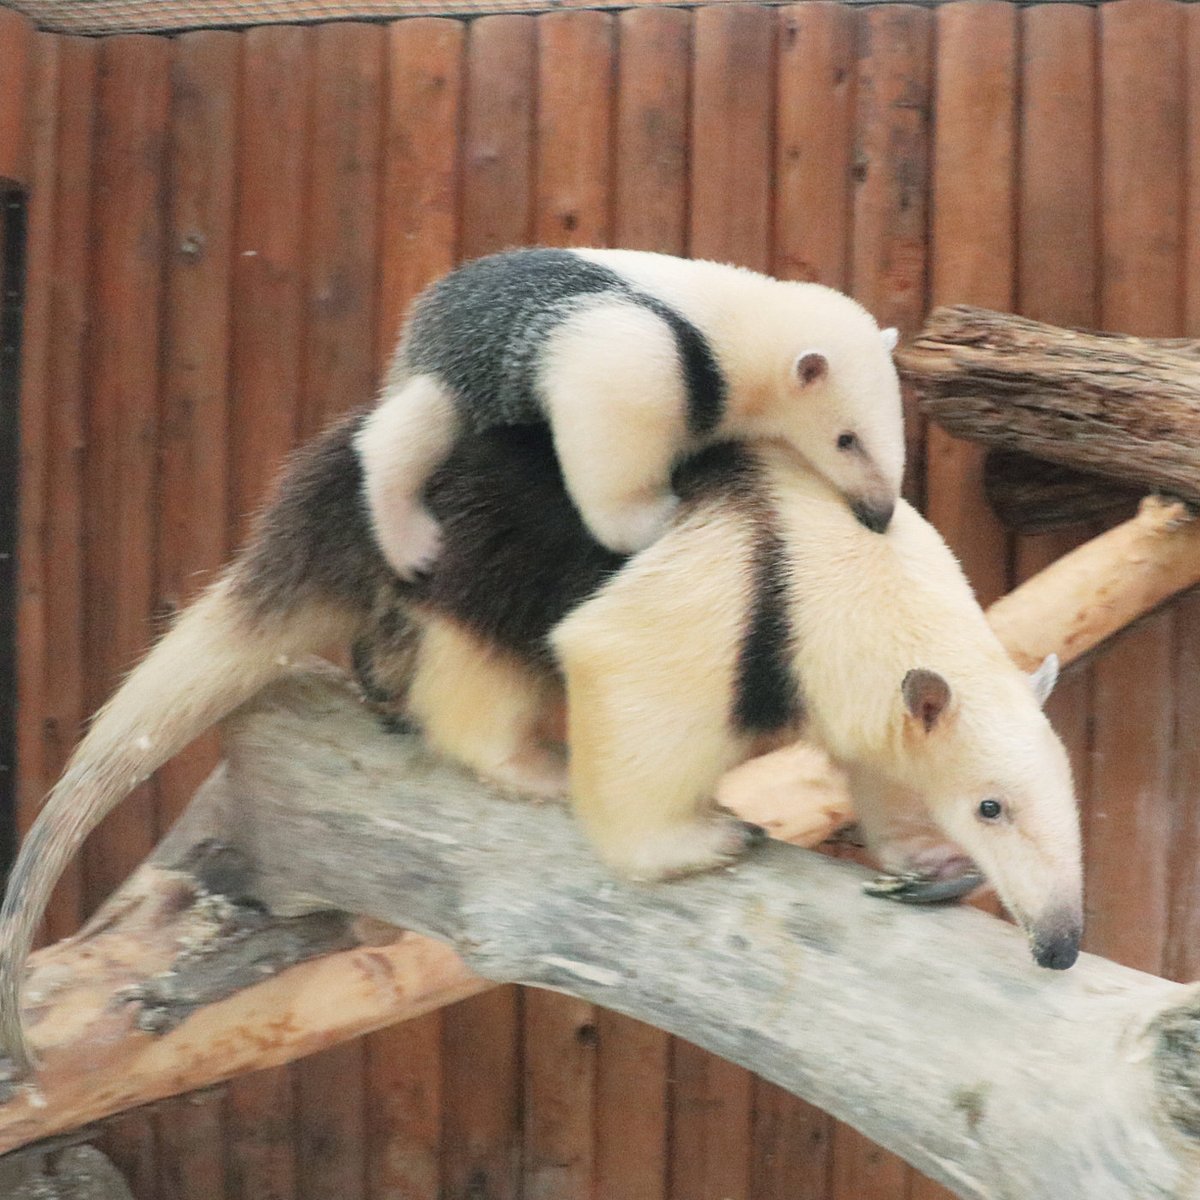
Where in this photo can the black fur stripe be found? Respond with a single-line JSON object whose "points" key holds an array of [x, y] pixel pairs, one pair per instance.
{"points": [[701, 375], [766, 695]]}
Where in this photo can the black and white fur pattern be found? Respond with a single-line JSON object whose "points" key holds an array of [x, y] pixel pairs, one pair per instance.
{"points": [[766, 610], [636, 360]]}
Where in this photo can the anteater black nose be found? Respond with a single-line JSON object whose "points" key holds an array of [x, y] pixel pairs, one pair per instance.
{"points": [[1059, 952], [876, 517]]}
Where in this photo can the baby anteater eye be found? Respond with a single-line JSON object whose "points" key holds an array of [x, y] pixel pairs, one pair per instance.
{"points": [[847, 441], [990, 810]]}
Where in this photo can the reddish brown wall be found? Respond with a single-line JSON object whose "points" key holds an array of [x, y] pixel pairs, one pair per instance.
{"points": [[224, 229]]}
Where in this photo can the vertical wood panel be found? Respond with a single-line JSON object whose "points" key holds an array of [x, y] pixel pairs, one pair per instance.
{"points": [[33, 450], [1183, 935], [814, 113], [268, 354], [260, 1137], [498, 143], [1142, 124], [191, 1138], [419, 199], [193, 444], [631, 1109], [16, 53], [481, 1036], [972, 250], [574, 143], [732, 134], [133, 99], [128, 253], [268, 265], [404, 1110], [792, 1147], [653, 78], [68, 373], [339, 372], [574, 128], [889, 273], [343, 211], [418, 232]]}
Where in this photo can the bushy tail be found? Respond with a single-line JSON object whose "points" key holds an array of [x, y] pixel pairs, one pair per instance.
{"points": [[216, 657]]}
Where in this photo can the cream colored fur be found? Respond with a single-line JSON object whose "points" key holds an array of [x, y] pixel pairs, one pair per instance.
{"points": [[649, 666], [486, 709], [400, 444]]}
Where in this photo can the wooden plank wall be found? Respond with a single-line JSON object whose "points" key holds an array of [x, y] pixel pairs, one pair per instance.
{"points": [[224, 229]]}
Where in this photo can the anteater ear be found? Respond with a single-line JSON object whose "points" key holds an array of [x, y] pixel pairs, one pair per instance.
{"points": [[1044, 678], [811, 366], [891, 338], [926, 696]]}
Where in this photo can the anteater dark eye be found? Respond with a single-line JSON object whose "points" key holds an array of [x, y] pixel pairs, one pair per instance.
{"points": [[847, 441], [989, 810]]}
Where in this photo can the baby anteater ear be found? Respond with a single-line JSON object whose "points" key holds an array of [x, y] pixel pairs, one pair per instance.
{"points": [[891, 338], [811, 366], [926, 696]]}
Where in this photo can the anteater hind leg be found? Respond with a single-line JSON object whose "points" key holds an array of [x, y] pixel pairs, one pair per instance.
{"points": [[403, 441], [480, 706]]}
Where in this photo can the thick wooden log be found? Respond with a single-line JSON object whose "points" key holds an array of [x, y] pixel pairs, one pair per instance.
{"points": [[932, 1032], [1124, 408]]}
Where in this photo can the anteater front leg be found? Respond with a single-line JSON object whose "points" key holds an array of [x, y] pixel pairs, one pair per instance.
{"points": [[643, 776]]}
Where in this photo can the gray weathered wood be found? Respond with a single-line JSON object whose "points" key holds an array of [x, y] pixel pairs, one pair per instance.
{"points": [[930, 1031]]}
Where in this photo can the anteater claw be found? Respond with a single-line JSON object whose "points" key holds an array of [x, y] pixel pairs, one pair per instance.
{"points": [[914, 888]]}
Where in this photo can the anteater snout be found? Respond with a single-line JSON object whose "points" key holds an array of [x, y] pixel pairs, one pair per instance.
{"points": [[874, 515], [1057, 948]]}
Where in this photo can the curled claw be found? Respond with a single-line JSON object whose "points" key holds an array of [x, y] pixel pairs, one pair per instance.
{"points": [[754, 835], [915, 888]]}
